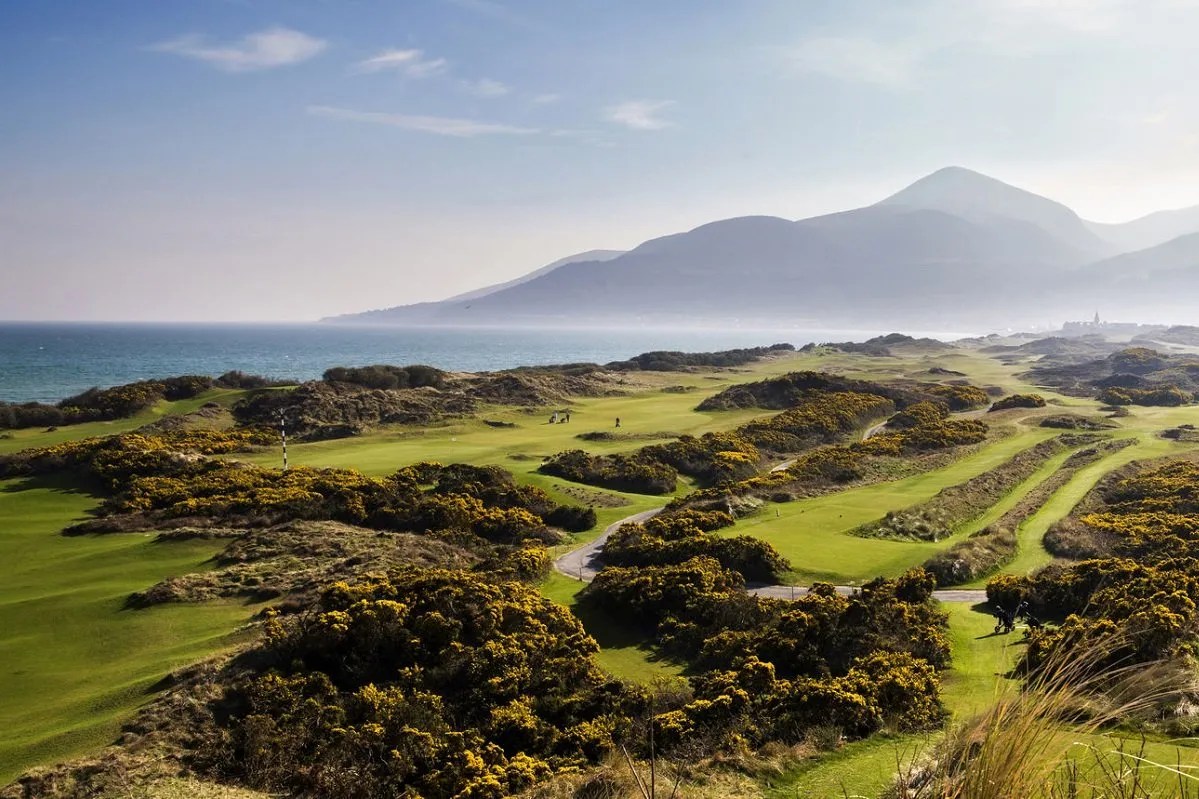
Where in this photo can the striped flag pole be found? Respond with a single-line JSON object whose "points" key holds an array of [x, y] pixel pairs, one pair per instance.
{"points": [[283, 438]]}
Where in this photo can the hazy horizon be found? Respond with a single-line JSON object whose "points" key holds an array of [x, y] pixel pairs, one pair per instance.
{"points": [[275, 161]]}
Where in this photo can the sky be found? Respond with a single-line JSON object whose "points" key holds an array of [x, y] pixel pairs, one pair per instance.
{"points": [[225, 160]]}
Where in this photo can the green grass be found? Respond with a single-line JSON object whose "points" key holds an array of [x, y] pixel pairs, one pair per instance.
{"points": [[1031, 553], [980, 659], [38, 437], [859, 769], [73, 663], [865, 768], [813, 533], [656, 415], [624, 653]]}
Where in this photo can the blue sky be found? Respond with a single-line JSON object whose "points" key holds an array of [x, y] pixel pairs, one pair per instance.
{"points": [[260, 159]]}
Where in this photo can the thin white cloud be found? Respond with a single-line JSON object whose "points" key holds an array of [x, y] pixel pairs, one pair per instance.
{"points": [[274, 47], [546, 99], [858, 59], [640, 114], [441, 126], [411, 63], [485, 87]]}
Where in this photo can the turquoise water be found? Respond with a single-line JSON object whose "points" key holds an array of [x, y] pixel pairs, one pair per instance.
{"points": [[45, 362]]}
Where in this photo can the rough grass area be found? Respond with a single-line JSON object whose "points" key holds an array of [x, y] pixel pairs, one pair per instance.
{"points": [[44, 437], [296, 559], [814, 533], [994, 545], [73, 662], [940, 517], [1031, 553], [182, 788]]}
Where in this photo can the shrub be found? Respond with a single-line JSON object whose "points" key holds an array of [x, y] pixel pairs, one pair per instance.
{"points": [[1161, 395], [917, 414], [1019, 401], [384, 377], [103, 404], [635, 473], [711, 458], [571, 518], [819, 419], [668, 541], [434, 682], [961, 398], [663, 361]]}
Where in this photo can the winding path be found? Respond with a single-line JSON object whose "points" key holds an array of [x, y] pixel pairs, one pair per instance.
{"points": [[586, 561]]}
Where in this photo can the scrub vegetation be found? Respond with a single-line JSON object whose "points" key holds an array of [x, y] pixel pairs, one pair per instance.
{"points": [[405, 634]]}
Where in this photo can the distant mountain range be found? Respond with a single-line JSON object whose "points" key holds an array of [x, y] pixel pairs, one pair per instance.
{"points": [[954, 250]]}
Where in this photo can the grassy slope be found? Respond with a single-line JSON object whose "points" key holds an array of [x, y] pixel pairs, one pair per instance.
{"points": [[623, 652], [15, 440], [813, 533], [103, 654], [74, 663]]}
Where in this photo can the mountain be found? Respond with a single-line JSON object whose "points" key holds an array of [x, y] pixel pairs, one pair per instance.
{"points": [[591, 256], [1165, 276], [1149, 231], [426, 312], [975, 196], [954, 250]]}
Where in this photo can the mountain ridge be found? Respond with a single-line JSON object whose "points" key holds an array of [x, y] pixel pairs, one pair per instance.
{"points": [[955, 245]]}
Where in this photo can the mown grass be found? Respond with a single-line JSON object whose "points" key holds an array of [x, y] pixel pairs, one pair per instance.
{"points": [[646, 418], [1031, 553], [73, 662], [813, 533]]}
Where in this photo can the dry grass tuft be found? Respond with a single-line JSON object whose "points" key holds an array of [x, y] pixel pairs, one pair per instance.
{"points": [[1020, 747]]}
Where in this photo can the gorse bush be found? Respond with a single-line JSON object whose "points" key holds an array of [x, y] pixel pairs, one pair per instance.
{"points": [[430, 683], [839, 464], [1160, 395], [674, 538], [166, 477], [793, 389], [773, 669], [104, 404], [820, 419], [960, 398], [1019, 401], [917, 414], [636, 473], [668, 361], [712, 458], [382, 376], [1148, 588]]}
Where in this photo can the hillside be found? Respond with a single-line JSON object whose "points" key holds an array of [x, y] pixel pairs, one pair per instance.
{"points": [[971, 195], [1160, 280], [591, 256], [1149, 231], [955, 248]]}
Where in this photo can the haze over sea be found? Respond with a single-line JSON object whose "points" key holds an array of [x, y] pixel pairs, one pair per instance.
{"points": [[46, 362]]}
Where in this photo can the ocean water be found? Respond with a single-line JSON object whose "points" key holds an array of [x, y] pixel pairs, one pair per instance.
{"points": [[46, 362]]}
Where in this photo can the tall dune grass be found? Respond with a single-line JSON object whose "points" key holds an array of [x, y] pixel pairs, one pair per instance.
{"points": [[1044, 740]]}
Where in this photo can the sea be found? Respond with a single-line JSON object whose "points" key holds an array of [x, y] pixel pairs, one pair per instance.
{"points": [[46, 362]]}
